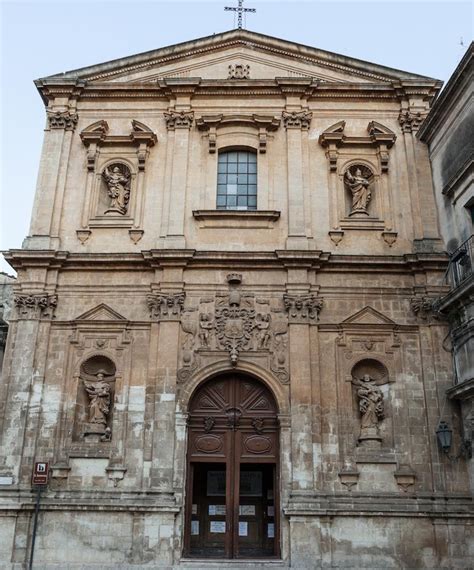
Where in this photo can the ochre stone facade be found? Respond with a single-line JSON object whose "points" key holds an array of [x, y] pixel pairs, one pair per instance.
{"points": [[134, 290]]}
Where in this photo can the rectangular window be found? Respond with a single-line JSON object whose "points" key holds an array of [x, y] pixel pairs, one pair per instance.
{"points": [[237, 180]]}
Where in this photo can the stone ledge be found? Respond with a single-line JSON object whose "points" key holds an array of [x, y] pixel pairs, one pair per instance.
{"points": [[242, 219], [461, 391]]}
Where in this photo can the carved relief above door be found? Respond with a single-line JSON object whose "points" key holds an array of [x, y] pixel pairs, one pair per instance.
{"points": [[237, 323]]}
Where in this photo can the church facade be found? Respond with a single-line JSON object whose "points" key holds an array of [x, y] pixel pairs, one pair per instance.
{"points": [[224, 342]]}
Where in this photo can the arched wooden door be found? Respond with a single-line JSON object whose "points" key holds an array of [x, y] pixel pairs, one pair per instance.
{"points": [[232, 500]]}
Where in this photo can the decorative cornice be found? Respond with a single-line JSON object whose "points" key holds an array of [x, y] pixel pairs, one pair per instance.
{"points": [[62, 120], [380, 137], [264, 124], [240, 38], [297, 119], [96, 135], [179, 119], [35, 305]]}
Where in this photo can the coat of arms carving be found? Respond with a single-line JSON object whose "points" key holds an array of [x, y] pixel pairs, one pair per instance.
{"points": [[234, 323]]}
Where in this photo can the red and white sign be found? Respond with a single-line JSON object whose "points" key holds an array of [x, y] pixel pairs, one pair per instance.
{"points": [[40, 473]]}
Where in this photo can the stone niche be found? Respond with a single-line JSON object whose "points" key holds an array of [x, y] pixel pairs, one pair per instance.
{"points": [[371, 402], [360, 189], [368, 345], [114, 193], [94, 402]]}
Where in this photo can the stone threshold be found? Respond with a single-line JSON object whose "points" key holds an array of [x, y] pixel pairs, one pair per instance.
{"points": [[234, 564]]}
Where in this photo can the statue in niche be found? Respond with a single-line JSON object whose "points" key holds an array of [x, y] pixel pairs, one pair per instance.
{"points": [[99, 400], [371, 407], [117, 179], [358, 183]]}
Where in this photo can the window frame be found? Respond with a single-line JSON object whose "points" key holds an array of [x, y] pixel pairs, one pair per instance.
{"points": [[245, 192]]}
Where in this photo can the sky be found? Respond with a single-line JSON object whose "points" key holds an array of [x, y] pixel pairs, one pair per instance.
{"points": [[41, 38]]}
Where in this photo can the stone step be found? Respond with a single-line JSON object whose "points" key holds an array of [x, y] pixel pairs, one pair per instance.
{"points": [[205, 564]]}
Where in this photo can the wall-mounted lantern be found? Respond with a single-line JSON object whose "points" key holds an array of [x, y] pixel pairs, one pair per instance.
{"points": [[445, 440]]}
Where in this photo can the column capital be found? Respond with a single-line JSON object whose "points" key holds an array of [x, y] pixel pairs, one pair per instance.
{"points": [[35, 305], [179, 119], [297, 119], [66, 120], [410, 121], [303, 309], [166, 306]]}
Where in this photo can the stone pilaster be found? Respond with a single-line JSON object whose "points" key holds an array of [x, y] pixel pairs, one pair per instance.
{"points": [[303, 309], [420, 181], [47, 207], [23, 377], [165, 307], [180, 122], [297, 124]]}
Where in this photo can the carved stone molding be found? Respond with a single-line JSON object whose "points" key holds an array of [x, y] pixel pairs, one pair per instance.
{"points": [[239, 71], [405, 477], [36, 305], [264, 124], [96, 135], [349, 475], [410, 121], [179, 119], [166, 306], [379, 136], [303, 308], [297, 119], [62, 120], [425, 308]]}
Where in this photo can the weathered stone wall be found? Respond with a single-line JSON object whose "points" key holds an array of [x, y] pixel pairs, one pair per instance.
{"points": [[116, 319]]}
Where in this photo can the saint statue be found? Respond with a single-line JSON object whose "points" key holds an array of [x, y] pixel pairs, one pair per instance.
{"points": [[118, 188], [371, 407], [360, 188], [99, 400]]}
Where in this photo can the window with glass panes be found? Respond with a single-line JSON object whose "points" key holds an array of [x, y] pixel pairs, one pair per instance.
{"points": [[237, 180]]}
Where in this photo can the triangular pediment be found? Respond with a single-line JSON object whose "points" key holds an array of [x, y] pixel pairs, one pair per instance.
{"points": [[368, 316], [101, 313], [212, 57]]}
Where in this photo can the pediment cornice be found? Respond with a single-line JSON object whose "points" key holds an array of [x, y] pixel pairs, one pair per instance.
{"points": [[293, 53]]}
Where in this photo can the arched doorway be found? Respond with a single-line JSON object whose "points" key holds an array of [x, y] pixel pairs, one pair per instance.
{"points": [[232, 499]]}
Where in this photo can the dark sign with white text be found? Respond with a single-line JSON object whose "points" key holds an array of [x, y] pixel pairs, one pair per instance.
{"points": [[40, 473]]}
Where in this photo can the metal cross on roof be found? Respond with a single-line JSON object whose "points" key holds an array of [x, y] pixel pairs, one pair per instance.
{"points": [[240, 10]]}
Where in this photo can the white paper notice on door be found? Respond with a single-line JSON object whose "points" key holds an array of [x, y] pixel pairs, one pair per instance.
{"points": [[195, 510], [217, 510], [271, 530], [194, 527], [217, 527], [247, 510], [243, 529], [271, 511]]}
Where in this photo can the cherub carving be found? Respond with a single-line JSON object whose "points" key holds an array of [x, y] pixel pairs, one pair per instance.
{"points": [[263, 331], [359, 185], [206, 325], [99, 400], [117, 178]]}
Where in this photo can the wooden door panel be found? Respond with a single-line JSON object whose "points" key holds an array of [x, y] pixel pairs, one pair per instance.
{"points": [[232, 423]]}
